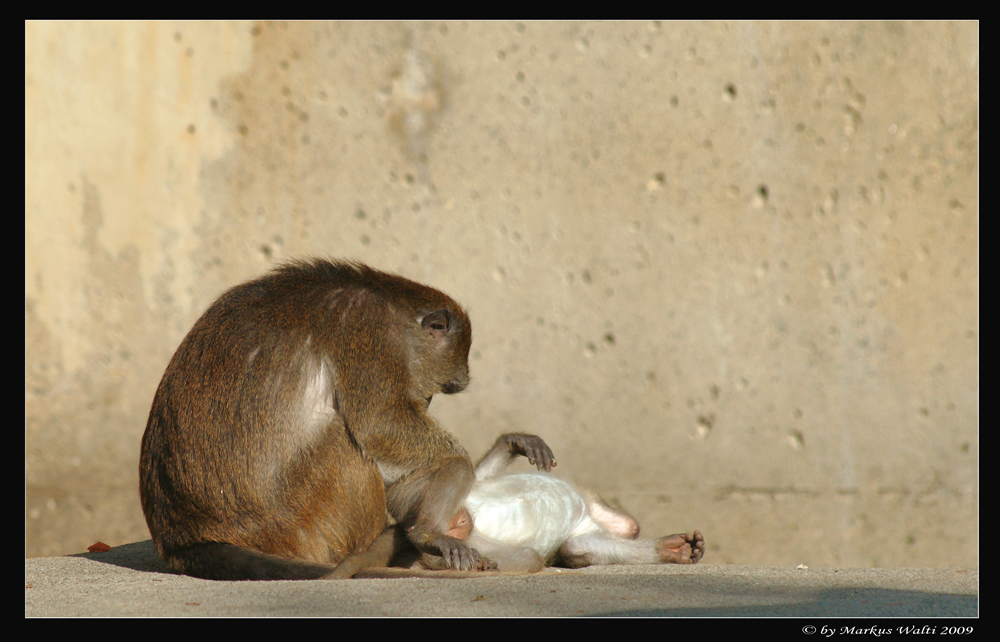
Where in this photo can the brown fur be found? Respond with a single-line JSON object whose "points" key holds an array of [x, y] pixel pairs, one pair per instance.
{"points": [[294, 413]]}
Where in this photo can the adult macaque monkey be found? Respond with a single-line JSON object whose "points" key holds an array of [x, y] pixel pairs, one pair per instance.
{"points": [[293, 416]]}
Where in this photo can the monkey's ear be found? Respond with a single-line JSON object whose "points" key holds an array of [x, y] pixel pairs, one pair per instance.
{"points": [[437, 323]]}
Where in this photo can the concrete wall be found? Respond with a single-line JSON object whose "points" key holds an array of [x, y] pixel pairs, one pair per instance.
{"points": [[728, 270]]}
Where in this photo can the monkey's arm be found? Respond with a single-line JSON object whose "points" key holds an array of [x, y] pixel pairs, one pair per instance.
{"points": [[509, 446], [424, 504]]}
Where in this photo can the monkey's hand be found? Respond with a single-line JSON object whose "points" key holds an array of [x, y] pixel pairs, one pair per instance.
{"points": [[532, 447], [455, 554]]}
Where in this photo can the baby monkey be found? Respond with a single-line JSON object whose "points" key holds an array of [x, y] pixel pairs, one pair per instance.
{"points": [[523, 522], [561, 526]]}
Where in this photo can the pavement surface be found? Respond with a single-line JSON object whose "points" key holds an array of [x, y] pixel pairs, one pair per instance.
{"points": [[131, 581]]}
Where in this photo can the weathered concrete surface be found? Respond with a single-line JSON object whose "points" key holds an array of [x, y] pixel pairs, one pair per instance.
{"points": [[130, 581], [728, 270]]}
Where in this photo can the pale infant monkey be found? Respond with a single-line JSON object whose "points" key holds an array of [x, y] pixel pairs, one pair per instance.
{"points": [[526, 521]]}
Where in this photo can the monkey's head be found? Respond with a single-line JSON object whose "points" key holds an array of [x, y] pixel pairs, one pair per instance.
{"points": [[435, 331], [440, 352]]}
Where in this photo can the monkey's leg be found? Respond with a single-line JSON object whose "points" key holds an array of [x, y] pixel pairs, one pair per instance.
{"points": [[616, 522], [509, 446], [672, 549], [602, 548], [424, 504]]}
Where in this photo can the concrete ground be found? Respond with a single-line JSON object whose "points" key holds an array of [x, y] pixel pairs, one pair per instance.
{"points": [[130, 581]]}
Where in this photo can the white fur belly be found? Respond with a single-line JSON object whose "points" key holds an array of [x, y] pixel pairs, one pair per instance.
{"points": [[530, 510]]}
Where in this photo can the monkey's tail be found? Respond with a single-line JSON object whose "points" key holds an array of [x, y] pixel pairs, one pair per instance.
{"points": [[220, 561]]}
